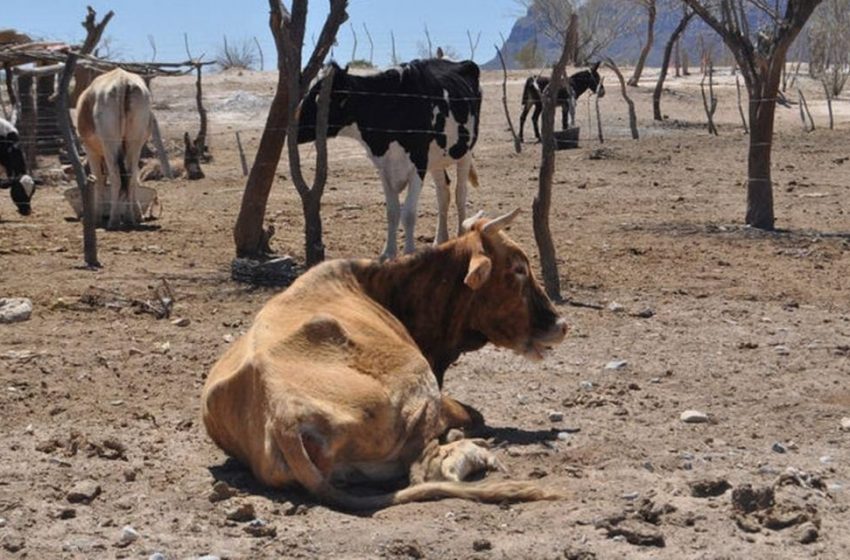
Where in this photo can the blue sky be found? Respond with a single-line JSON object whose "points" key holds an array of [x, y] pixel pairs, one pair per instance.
{"points": [[208, 21]]}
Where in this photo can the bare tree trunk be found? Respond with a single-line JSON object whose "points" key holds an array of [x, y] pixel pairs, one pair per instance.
{"points": [[740, 105], [371, 43], [260, 51], [759, 184], [201, 138], [242, 159], [392, 41], [517, 143], [668, 49], [599, 118], [828, 93], [677, 58], [160, 149], [709, 102], [804, 112], [650, 38], [543, 201], [250, 237], [90, 217], [609, 62]]}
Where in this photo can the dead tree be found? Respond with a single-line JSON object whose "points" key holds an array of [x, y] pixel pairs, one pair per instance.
{"points": [[543, 201], [761, 58], [191, 159], [609, 62], [651, 12], [260, 52], [709, 102], [428, 38], [808, 125], [665, 62], [598, 116], [354, 47], [392, 42], [517, 142], [249, 236], [827, 90], [472, 45]]}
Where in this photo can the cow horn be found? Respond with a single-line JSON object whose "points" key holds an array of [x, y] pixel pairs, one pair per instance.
{"points": [[469, 222], [497, 224]]}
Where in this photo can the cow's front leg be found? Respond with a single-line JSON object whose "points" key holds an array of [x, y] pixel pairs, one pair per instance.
{"points": [[393, 215], [443, 199], [408, 217], [535, 116]]}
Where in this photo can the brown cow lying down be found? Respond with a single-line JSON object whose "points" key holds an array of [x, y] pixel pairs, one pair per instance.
{"points": [[335, 380]]}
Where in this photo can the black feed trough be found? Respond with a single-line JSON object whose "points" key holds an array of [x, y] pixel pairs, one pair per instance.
{"points": [[567, 139]]}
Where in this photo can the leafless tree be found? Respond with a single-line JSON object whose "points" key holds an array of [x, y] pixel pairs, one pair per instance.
{"points": [[428, 38], [153, 47], [354, 39], [371, 44], [251, 239], [517, 142], [665, 62], [760, 55], [392, 41], [651, 13], [472, 44], [829, 45], [239, 55], [609, 62], [260, 53]]}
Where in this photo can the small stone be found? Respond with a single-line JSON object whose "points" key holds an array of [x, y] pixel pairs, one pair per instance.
{"points": [[157, 556], [479, 545], [15, 310], [782, 350], [556, 416], [12, 543], [2, 522], [746, 499], [563, 436], [241, 513], [208, 557], [83, 492], [646, 313], [655, 380], [164, 348], [615, 307], [808, 533], [221, 491], [694, 417], [228, 338], [845, 424], [181, 322], [259, 528], [128, 536], [616, 364], [779, 448], [66, 513], [586, 385], [630, 496], [117, 402], [825, 460]]}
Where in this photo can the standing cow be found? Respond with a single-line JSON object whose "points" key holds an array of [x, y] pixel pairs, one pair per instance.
{"points": [[580, 82], [13, 163], [113, 121], [420, 117]]}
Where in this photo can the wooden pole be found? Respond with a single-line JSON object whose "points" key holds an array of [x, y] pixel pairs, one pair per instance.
{"points": [[242, 155], [599, 117], [86, 189]]}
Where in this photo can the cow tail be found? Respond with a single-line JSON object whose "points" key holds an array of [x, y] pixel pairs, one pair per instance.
{"points": [[473, 175]]}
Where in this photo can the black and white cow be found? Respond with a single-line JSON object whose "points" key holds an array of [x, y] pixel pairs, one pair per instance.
{"points": [[420, 117], [580, 82], [13, 163]]}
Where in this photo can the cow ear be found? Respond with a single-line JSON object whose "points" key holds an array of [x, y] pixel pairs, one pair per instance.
{"points": [[479, 271]]}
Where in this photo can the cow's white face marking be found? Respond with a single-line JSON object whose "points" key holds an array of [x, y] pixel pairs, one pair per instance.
{"points": [[28, 184]]}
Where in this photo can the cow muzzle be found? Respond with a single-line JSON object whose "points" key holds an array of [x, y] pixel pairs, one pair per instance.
{"points": [[541, 344]]}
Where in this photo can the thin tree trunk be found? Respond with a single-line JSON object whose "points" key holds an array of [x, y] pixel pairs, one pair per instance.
{"points": [[668, 50], [609, 62], [160, 149], [242, 159], [90, 216], [650, 38], [741, 106], [599, 119], [201, 138], [804, 112], [250, 237], [709, 103], [677, 58], [828, 93], [517, 143]]}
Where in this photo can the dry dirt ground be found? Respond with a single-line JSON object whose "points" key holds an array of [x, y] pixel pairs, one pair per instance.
{"points": [[751, 328]]}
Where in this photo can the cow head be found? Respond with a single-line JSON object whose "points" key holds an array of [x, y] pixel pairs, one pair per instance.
{"points": [[339, 115], [509, 306], [596, 85], [22, 189]]}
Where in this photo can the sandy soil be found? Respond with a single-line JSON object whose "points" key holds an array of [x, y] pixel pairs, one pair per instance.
{"points": [[751, 328]]}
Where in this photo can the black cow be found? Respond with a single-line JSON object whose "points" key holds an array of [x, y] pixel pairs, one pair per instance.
{"points": [[12, 161], [579, 82], [417, 118]]}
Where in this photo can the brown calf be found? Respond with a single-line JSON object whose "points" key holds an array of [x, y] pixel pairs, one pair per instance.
{"points": [[335, 380]]}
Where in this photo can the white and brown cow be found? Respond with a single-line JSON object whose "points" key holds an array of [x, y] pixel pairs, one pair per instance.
{"points": [[419, 118], [338, 379], [113, 121]]}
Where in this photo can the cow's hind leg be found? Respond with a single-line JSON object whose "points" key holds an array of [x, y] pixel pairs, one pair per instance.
{"points": [[393, 215], [535, 116], [411, 201], [441, 180], [525, 108], [463, 167]]}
